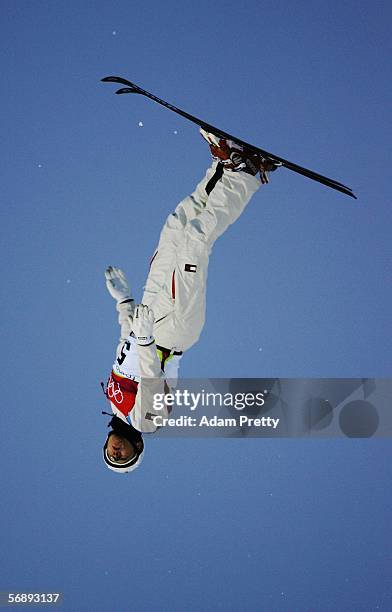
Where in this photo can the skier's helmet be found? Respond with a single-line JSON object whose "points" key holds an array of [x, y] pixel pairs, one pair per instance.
{"points": [[131, 434], [122, 468]]}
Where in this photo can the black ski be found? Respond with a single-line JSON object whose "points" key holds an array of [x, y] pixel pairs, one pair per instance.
{"points": [[132, 88]]}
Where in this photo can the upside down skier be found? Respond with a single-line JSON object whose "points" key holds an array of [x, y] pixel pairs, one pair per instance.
{"points": [[156, 333]]}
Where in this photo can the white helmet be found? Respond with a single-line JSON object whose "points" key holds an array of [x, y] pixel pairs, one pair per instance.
{"points": [[122, 468], [134, 436]]}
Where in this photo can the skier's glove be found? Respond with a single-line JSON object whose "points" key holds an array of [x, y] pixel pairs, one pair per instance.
{"points": [[143, 325], [117, 284]]}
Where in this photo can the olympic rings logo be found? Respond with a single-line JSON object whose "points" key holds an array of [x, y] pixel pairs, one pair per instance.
{"points": [[114, 392]]}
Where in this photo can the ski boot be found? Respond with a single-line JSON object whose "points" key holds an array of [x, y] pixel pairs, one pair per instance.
{"points": [[235, 157]]}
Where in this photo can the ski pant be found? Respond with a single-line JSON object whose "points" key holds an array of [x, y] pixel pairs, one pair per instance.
{"points": [[176, 285]]}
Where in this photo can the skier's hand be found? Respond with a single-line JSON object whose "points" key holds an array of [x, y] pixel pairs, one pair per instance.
{"points": [[117, 284], [143, 325]]}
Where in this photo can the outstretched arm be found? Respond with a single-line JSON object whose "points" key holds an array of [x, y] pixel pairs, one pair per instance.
{"points": [[152, 383], [118, 287], [143, 329]]}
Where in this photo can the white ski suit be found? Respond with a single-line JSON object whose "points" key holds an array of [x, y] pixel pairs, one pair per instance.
{"points": [[176, 288]]}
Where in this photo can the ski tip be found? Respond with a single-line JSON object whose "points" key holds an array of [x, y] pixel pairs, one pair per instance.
{"points": [[120, 81], [125, 90], [349, 192], [345, 190], [130, 87]]}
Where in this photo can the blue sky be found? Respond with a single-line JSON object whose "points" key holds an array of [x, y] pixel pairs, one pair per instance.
{"points": [[250, 524]]}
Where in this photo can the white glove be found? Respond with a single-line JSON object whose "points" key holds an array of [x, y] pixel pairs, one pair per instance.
{"points": [[143, 325], [117, 284]]}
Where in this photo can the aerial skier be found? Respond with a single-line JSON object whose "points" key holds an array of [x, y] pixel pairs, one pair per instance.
{"points": [[156, 333]]}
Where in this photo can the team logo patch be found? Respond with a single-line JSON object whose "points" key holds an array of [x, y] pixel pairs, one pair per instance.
{"points": [[190, 268]]}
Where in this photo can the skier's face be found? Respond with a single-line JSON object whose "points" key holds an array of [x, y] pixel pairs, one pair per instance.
{"points": [[120, 449]]}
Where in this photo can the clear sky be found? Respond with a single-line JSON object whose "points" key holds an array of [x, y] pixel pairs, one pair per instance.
{"points": [[299, 287]]}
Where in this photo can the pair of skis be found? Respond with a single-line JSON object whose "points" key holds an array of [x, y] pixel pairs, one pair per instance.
{"points": [[280, 161]]}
